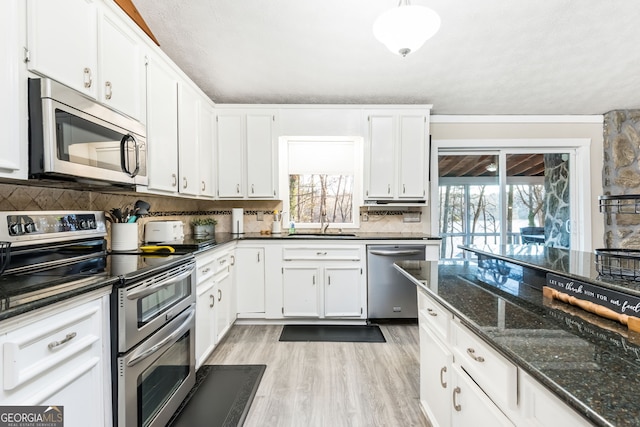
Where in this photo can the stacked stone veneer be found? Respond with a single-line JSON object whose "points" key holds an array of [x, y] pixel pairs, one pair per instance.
{"points": [[556, 200], [621, 175]]}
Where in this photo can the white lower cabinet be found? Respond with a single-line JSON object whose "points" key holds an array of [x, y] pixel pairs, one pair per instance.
{"points": [[323, 282], [470, 405], [436, 362], [59, 356], [215, 309], [250, 280]]}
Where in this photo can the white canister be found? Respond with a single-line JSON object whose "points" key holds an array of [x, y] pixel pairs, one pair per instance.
{"points": [[124, 236], [237, 221]]}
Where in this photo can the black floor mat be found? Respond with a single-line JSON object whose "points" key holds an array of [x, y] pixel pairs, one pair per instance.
{"points": [[221, 397], [332, 333]]}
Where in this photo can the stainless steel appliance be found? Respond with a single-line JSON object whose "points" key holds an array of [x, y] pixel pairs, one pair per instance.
{"points": [[74, 138], [153, 312], [390, 295]]}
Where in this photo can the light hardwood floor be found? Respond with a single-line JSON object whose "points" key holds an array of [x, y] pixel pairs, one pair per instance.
{"points": [[329, 384]]}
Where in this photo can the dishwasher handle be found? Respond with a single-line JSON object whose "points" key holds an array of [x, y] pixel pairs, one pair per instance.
{"points": [[395, 252]]}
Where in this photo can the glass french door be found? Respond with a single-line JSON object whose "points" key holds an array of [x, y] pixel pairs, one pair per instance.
{"points": [[504, 196]]}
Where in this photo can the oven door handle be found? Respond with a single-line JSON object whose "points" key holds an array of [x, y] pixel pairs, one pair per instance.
{"points": [[146, 350], [151, 289], [395, 252]]}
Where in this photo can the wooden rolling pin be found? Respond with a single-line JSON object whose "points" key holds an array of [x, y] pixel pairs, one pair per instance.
{"points": [[633, 323]]}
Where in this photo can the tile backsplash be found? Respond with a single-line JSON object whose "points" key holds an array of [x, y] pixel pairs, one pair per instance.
{"points": [[35, 198]]}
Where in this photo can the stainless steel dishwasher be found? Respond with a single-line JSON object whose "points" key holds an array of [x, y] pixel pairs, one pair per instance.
{"points": [[391, 295]]}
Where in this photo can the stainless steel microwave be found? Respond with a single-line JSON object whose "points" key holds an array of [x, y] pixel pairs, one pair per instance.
{"points": [[74, 138]]}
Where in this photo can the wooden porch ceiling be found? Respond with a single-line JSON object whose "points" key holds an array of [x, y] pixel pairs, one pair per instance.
{"points": [[476, 165]]}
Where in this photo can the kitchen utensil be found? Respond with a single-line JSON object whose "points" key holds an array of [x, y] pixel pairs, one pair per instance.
{"points": [[117, 213], [142, 207], [5, 255], [155, 248]]}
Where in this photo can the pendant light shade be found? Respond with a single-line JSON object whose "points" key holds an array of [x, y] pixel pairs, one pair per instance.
{"points": [[405, 29]]}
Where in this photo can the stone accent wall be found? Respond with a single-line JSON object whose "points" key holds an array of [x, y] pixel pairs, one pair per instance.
{"points": [[556, 202], [621, 175]]}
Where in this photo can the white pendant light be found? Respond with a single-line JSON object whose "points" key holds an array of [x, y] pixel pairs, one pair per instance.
{"points": [[405, 29]]}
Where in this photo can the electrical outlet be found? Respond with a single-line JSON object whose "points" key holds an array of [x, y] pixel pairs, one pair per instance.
{"points": [[260, 216], [365, 217]]}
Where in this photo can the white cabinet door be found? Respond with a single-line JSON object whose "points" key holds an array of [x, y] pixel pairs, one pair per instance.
{"points": [[222, 304], [300, 292], [188, 158], [162, 126], [260, 155], [230, 145], [13, 86], [413, 157], [381, 159], [62, 40], [471, 407], [205, 303], [121, 65], [435, 382], [250, 280], [342, 292], [206, 150]]}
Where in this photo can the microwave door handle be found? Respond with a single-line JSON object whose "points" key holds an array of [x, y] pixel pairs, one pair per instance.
{"points": [[147, 350], [148, 290], [124, 155]]}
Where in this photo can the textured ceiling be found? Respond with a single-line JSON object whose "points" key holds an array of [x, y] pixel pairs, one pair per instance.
{"points": [[489, 57]]}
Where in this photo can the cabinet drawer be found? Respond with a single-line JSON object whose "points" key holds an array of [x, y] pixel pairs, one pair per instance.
{"points": [[497, 376], [324, 253], [433, 315], [222, 262], [40, 347], [206, 268]]}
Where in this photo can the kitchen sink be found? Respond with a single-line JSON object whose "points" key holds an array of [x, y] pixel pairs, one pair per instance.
{"points": [[321, 235]]}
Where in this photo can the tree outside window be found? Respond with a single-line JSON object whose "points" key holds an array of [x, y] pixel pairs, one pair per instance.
{"points": [[313, 195]]}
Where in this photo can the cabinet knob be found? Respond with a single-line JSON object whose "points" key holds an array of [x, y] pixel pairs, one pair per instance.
{"points": [[456, 405], [88, 79], [108, 90]]}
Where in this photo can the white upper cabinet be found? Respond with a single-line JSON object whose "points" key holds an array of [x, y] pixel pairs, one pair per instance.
{"points": [[121, 67], [62, 41], [188, 109], [87, 47], [396, 155], [13, 86], [246, 154], [162, 126], [206, 120]]}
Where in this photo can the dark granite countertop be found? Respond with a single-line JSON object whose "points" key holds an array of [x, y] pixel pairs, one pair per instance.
{"points": [[573, 264], [591, 363]]}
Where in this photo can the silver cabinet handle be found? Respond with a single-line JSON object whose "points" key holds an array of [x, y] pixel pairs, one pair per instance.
{"points": [[252, 189], [88, 80], [206, 270], [404, 188], [219, 295], [223, 261], [66, 339], [238, 188], [329, 280], [184, 182], [313, 282], [213, 300], [321, 253], [431, 312], [174, 180], [203, 186], [471, 352], [258, 256], [388, 188], [442, 372], [154, 287], [456, 405], [233, 259], [108, 90]]}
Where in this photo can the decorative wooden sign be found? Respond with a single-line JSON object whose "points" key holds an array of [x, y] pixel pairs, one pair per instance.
{"points": [[604, 302]]}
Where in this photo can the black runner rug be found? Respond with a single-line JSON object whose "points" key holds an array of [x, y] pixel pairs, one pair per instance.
{"points": [[332, 333]]}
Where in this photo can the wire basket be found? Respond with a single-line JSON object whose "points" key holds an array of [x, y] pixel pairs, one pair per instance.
{"points": [[619, 263], [5, 255]]}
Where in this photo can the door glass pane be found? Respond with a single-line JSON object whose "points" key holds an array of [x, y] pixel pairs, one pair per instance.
{"points": [[469, 202]]}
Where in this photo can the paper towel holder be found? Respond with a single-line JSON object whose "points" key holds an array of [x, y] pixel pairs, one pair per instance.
{"points": [[237, 221]]}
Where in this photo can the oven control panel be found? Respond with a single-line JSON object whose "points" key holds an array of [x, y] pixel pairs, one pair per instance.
{"points": [[18, 226]]}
